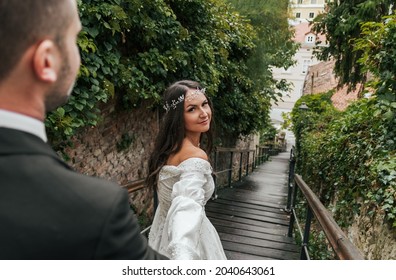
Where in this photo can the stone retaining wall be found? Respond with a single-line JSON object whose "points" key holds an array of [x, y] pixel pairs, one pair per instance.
{"points": [[118, 149]]}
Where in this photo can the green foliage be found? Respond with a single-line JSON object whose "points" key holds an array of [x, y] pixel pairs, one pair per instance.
{"points": [[132, 49], [319, 247], [126, 141], [349, 158], [287, 123], [275, 45], [318, 104], [103, 22], [267, 134], [143, 218], [378, 47], [342, 25]]}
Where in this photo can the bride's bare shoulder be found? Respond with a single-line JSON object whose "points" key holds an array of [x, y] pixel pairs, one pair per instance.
{"points": [[192, 152], [186, 152]]}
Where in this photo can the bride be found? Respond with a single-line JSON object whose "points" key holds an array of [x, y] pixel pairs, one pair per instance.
{"points": [[181, 174]]}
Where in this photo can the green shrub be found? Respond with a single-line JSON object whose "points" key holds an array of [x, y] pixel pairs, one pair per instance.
{"points": [[349, 158]]}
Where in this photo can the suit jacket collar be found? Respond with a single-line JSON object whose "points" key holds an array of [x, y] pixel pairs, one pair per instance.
{"points": [[13, 142], [22, 122]]}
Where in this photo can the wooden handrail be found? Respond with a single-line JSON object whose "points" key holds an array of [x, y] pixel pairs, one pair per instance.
{"points": [[342, 246], [134, 185], [222, 149]]}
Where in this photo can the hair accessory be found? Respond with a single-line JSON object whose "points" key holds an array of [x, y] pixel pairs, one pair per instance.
{"points": [[174, 102], [196, 93]]}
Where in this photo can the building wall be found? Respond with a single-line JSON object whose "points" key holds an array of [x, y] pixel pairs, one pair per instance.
{"points": [[306, 10], [296, 74], [304, 57], [320, 78]]}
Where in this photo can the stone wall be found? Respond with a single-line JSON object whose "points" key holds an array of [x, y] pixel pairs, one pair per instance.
{"points": [[373, 236], [118, 149]]}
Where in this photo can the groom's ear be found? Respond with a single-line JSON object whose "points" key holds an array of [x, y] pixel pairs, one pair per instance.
{"points": [[45, 61]]}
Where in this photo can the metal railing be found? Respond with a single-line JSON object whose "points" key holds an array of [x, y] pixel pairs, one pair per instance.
{"points": [[232, 171], [342, 246]]}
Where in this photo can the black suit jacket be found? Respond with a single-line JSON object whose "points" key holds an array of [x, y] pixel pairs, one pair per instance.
{"points": [[48, 211]]}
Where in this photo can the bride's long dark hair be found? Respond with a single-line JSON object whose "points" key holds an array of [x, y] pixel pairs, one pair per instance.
{"points": [[172, 129]]}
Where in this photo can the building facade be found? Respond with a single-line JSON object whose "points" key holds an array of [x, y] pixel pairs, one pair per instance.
{"points": [[297, 73], [306, 10]]}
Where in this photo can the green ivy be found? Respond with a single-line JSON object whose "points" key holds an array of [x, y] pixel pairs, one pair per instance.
{"points": [[349, 158], [126, 141], [131, 50]]}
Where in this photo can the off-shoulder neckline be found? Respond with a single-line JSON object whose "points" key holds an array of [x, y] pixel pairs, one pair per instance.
{"points": [[184, 161]]}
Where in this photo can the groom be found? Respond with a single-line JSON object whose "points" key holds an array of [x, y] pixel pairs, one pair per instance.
{"points": [[48, 211]]}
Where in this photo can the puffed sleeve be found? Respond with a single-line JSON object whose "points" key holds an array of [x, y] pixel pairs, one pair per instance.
{"points": [[186, 214]]}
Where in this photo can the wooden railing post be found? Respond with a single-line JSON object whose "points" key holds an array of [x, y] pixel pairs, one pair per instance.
{"points": [[240, 166], [292, 164], [254, 160], [230, 171], [304, 255], [257, 155], [293, 212], [214, 196], [247, 163]]}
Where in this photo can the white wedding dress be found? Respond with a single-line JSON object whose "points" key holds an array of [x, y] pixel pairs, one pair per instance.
{"points": [[181, 230]]}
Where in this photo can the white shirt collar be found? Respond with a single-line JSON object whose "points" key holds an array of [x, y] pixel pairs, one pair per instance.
{"points": [[24, 123]]}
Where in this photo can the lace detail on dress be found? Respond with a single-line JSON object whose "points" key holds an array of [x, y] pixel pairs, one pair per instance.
{"points": [[196, 164], [168, 171], [157, 228], [188, 165], [182, 252]]}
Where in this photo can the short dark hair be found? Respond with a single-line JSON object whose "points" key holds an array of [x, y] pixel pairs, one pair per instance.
{"points": [[23, 23]]}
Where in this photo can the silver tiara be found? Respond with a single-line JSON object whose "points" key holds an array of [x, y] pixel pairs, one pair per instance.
{"points": [[174, 102]]}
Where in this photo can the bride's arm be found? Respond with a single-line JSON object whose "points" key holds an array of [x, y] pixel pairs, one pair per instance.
{"points": [[185, 215]]}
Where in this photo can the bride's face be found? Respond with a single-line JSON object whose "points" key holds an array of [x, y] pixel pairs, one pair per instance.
{"points": [[197, 112]]}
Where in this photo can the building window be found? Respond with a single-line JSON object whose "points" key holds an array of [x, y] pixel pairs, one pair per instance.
{"points": [[299, 1], [310, 39], [298, 15], [311, 15], [313, 1], [306, 64]]}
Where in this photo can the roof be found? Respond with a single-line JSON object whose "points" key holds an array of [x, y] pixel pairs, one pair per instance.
{"points": [[303, 29]]}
